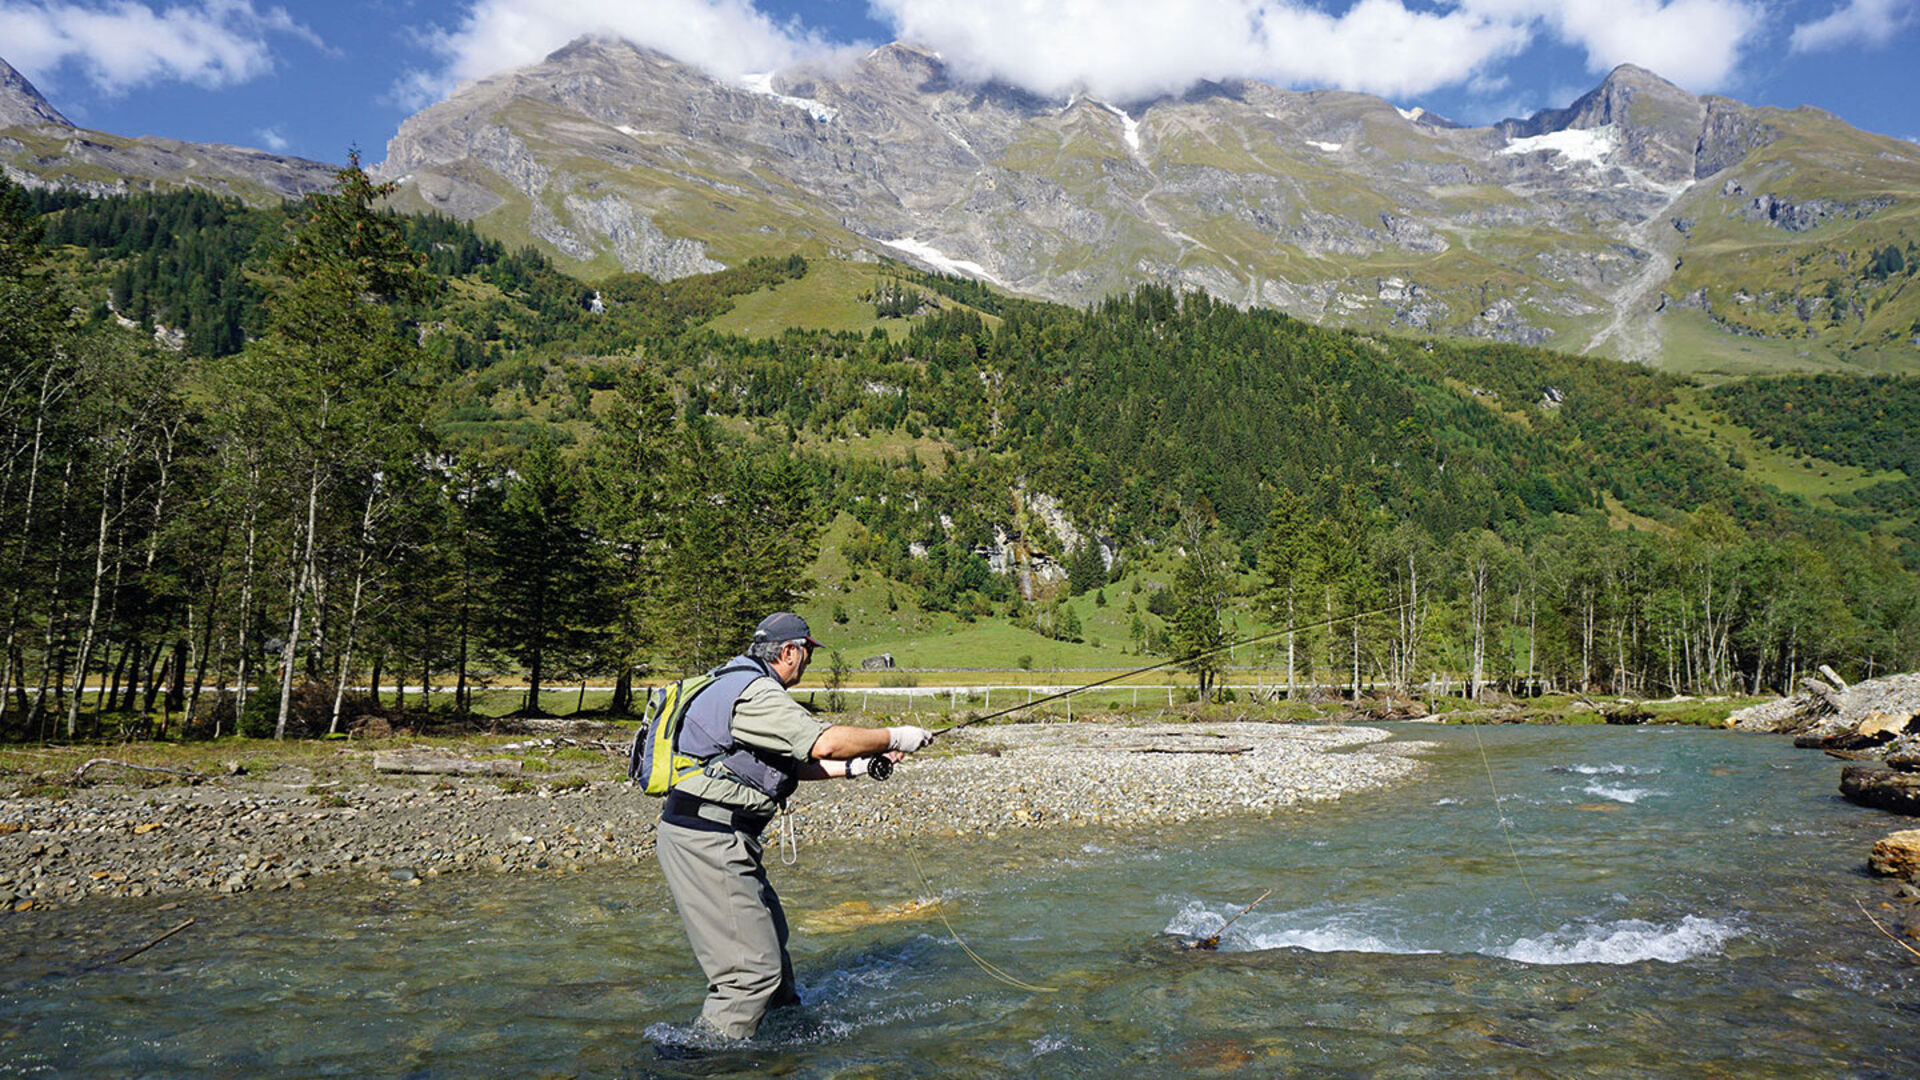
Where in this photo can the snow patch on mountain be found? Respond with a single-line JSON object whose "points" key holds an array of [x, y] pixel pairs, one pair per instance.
{"points": [[762, 84], [941, 261], [1129, 127], [1588, 145]]}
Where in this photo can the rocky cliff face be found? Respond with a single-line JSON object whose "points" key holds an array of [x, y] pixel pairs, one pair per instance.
{"points": [[21, 104], [40, 148], [1334, 206]]}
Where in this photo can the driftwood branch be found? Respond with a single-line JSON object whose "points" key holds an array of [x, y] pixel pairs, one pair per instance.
{"points": [[123, 957], [1884, 930], [82, 770], [428, 762]]}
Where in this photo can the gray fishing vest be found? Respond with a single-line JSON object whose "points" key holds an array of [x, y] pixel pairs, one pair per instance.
{"points": [[707, 733]]}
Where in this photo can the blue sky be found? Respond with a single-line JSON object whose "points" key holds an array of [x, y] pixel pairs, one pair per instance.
{"points": [[315, 78]]}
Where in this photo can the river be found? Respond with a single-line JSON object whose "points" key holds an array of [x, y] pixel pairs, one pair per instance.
{"points": [[1638, 902]]}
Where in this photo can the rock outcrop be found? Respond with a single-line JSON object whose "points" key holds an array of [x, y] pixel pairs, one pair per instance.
{"points": [[21, 104], [1869, 717]]}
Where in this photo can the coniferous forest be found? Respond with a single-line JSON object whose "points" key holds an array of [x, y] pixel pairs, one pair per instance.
{"points": [[256, 458]]}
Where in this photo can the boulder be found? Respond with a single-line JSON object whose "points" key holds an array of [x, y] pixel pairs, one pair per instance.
{"points": [[1897, 855], [1883, 725], [1875, 785]]}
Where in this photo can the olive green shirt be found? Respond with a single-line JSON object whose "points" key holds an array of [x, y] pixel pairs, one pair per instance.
{"points": [[768, 720]]}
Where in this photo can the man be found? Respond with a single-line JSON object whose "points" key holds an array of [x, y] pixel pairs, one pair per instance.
{"points": [[758, 744]]}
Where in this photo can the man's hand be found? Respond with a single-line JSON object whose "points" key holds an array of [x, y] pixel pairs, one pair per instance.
{"points": [[908, 739]]}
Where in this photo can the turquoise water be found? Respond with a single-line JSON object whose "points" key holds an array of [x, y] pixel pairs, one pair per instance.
{"points": [[1646, 902]]}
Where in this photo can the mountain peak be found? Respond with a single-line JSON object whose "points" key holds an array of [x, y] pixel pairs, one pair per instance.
{"points": [[1635, 75], [21, 105], [1658, 125]]}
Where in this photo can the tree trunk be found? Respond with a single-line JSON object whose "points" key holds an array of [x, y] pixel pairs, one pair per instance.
{"points": [[622, 702], [93, 611], [54, 638], [1291, 621], [1477, 616], [110, 684], [243, 664], [136, 667], [353, 613], [302, 583]]}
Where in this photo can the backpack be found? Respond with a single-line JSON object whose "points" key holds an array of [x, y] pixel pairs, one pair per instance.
{"points": [[655, 759]]}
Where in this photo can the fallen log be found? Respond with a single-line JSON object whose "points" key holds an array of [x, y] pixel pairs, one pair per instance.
{"points": [[1832, 698], [1164, 748], [81, 772], [431, 762], [1881, 788]]}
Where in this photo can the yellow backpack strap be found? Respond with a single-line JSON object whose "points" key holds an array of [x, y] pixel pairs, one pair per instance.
{"points": [[666, 730]]}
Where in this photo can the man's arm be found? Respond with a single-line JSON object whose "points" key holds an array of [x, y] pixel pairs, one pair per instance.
{"points": [[844, 750], [844, 741]]}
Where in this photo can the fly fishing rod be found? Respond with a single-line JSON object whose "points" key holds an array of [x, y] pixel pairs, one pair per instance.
{"points": [[880, 768]]}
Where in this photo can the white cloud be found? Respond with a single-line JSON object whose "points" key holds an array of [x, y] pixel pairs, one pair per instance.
{"points": [[727, 38], [1857, 22], [1122, 50], [273, 139], [120, 44], [1127, 49]]}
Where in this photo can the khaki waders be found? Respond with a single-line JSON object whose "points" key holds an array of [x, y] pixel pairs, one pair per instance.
{"points": [[732, 917]]}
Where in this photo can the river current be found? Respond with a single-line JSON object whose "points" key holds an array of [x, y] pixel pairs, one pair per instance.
{"points": [[1547, 902]]}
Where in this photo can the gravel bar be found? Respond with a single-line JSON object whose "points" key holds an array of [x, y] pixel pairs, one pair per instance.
{"points": [[241, 834]]}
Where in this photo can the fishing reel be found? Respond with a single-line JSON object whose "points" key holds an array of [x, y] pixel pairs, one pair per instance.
{"points": [[879, 767]]}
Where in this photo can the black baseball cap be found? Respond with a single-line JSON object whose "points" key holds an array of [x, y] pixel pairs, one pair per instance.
{"points": [[783, 626]]}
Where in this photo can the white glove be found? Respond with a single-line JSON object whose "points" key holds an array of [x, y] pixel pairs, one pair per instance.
{"points": [[907, 738], [858, 766]]}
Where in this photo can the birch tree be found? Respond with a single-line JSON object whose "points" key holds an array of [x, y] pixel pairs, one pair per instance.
{"points": [[334, 372]]}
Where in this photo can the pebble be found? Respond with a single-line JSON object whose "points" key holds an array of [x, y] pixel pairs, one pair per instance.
{"points": [[247, 834]]}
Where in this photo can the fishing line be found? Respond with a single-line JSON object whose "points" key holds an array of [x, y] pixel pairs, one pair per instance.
{"points": [[979, 961], [1506, 825]]}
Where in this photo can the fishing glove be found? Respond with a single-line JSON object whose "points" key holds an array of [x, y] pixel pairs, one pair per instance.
{"points": [[907, 738]]}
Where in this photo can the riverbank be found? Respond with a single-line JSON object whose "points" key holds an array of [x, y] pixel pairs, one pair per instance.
{"points": [[284, 825]]}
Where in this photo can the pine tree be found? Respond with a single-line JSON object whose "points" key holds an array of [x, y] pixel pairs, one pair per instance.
{"points": [[548, 610], [1201, 588], [1287, 560], [634, 488]]}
